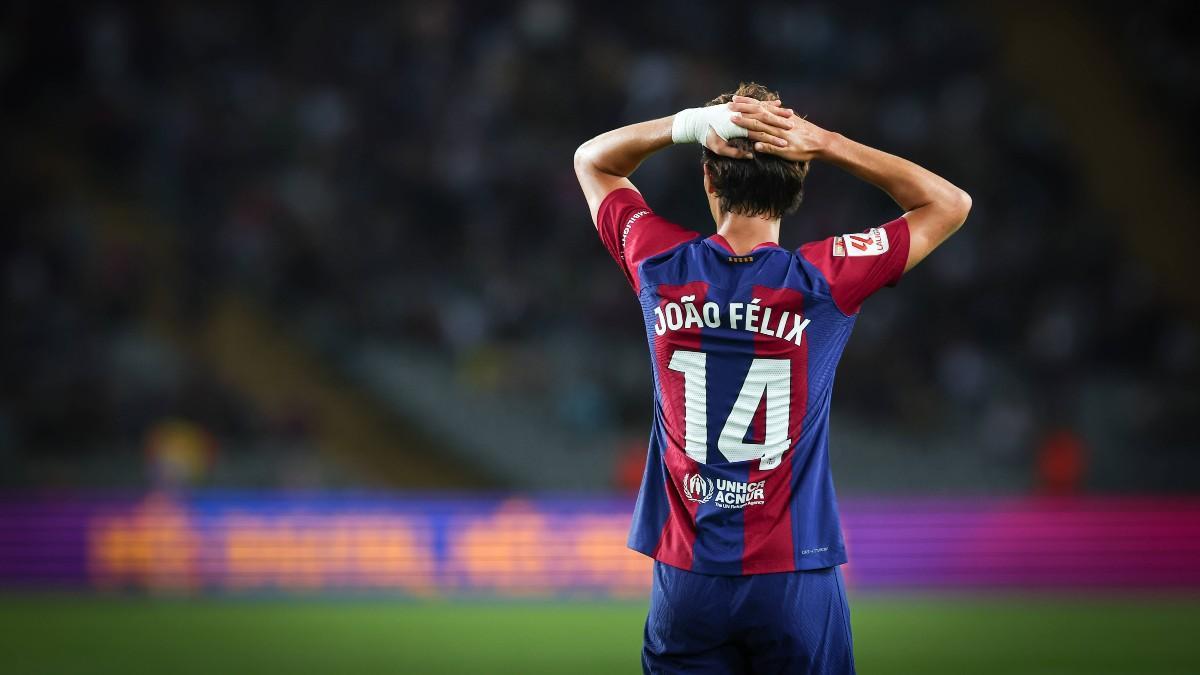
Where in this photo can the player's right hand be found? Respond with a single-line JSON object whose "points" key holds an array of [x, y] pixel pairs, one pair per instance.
{"points": [[777, 130]]}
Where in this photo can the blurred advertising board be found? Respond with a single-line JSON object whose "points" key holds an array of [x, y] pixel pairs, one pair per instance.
{"points": [[439, 545]]}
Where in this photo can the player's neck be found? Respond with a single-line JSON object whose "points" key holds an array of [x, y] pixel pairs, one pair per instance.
{"points": [[745, 232]]}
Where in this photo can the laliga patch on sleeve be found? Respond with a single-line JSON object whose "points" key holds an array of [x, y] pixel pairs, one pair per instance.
{"points": [[872, 242]]}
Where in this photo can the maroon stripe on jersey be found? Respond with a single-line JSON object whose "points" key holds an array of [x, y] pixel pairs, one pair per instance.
{"points": [[679, 532], [768, 543]]}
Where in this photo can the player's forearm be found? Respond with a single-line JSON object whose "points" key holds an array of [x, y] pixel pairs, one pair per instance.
{"points": [[910, 185], [934, 208], [619, 152]]}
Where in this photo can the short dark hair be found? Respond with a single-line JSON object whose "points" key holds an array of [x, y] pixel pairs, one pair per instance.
{"points": [[764, 186]]}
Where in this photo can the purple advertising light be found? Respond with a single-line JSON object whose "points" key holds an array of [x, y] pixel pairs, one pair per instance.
{"points": [[439, 545]]}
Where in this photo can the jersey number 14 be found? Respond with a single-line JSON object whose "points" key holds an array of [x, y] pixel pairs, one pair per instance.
{"points": [[772, 377]]}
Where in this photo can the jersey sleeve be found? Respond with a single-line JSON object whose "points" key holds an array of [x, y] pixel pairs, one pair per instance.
{"points": [[632, 232], [858, 265]]}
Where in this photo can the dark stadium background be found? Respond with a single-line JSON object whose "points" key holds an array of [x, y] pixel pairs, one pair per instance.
{"points": [[310, 360]]}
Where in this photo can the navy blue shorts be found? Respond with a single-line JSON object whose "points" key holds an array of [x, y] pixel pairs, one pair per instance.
{"points": [[789, 622]]}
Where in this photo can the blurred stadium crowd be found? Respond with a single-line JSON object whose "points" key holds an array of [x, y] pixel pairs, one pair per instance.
{"points": [[401, 174]]}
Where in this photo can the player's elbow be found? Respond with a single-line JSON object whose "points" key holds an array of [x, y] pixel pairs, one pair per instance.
{"points": [[962, 203], [585, 158], [958, 207]]}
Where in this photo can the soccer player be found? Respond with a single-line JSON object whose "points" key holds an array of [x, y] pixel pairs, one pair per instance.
{"points": [[737, 505]]}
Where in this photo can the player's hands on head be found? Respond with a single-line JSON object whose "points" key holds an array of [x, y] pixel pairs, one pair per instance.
{"points": [[724, 148], [777, 130], [716, 142]]}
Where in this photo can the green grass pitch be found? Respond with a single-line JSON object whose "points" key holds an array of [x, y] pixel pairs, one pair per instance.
{"points": [[930, 635]]}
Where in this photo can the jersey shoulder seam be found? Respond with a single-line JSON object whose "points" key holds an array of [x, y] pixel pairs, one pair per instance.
{"points": [[813, 269]]}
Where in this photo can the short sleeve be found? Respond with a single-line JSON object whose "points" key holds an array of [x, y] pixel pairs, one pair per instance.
{"points": [[632, 232], [858, 265]]}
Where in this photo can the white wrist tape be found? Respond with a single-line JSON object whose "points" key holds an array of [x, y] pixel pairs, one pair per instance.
{"points": [[691, 125]]}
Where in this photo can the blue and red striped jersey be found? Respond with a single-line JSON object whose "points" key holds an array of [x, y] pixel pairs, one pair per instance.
{"points": [[743, 349]]}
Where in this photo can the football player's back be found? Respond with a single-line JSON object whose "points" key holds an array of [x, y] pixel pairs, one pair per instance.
{"points": [[743, 349], [737, 503]]}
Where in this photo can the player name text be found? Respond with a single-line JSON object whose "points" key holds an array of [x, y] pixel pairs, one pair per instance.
{"points": [[748, 316]]}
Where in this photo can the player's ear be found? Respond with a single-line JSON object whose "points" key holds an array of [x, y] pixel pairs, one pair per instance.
{"points": [[708, 188]]}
